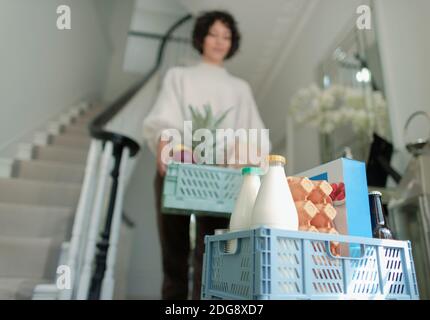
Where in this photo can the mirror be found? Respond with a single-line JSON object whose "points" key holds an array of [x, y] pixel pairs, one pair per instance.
{"points": [[353, 66]]}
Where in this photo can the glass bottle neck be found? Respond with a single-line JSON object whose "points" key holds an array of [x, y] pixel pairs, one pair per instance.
{"points": [[276, 164], [376, 210], [251, 177]]}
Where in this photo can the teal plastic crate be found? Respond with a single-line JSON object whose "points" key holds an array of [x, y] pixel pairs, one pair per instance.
{"points": [[280, 265], [200, 189]]}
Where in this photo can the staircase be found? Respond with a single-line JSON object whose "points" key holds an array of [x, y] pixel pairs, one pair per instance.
{"points": [[37, 206]]}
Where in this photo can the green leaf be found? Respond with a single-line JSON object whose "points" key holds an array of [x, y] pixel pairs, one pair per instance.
{"points": [[204, 118], [208, 116], [222, 117], [197, 118]]}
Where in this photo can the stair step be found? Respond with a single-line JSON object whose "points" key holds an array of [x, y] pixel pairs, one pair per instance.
{"points": [[29, 257], [70, 140], [19, 288], [94, 111], [49, 171], [38, 192], [77, 134], [83, 130], [26, 221], [81, 124], [61, 153], [88, 117]]}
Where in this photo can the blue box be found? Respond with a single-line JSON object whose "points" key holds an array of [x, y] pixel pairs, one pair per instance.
{"points": [[353, 214]]}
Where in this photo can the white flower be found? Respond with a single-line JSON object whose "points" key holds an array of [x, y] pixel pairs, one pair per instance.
{"points": [[338, 106]]}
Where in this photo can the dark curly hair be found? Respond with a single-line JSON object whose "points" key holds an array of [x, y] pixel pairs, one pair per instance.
{"points": [[206, 20]]}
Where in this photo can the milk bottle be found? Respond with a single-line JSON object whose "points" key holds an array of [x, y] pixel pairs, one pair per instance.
{"points": [[241, 216], [274, 206]]}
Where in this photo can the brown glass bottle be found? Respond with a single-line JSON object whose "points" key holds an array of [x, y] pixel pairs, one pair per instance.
{"points": [[379, 227]]}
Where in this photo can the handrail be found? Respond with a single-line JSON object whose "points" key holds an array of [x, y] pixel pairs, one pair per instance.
{"points": [[156, 36], [96, 126]]}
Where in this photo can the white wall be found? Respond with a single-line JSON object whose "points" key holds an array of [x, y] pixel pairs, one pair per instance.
{"points": [[152, 16], [44, 70], [298, 69], [118, 80], [403, 33], [145, 273], [133, 57], [156, 15]]}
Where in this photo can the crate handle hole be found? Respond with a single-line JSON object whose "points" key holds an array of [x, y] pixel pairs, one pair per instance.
{"points": [[346, 247], [229, 247]]}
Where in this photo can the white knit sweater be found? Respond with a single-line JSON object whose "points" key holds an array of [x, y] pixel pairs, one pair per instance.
{"points": [[196, 86]]}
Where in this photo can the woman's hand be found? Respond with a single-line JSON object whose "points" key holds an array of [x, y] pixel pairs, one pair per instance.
{"points": [[161, 163]]}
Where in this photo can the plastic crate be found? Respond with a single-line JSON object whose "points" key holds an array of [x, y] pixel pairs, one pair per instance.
{"points": [[192, 188], [280, 265]]}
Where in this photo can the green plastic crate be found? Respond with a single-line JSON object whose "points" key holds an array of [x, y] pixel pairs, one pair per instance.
{"points": [[200, 189]]}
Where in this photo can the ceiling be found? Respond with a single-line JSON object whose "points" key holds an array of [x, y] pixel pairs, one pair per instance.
{"points": [[268, 29]]}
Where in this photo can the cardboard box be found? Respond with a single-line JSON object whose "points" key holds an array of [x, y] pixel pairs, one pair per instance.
{"points": [[353, 212]]}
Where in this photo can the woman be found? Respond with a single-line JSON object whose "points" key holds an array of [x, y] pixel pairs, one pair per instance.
{"points": [[216, 37]]}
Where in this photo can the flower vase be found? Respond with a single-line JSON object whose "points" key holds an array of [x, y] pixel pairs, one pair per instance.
{"points": [[363, 146], [326, 147]]}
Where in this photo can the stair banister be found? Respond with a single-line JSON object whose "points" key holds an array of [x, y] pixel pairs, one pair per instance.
{"points": [[80, 226], [108, 283], [96, 215]]}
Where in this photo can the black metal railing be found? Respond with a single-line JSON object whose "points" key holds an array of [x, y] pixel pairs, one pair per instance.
{"points": [[119, 142], [156, 36]]}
